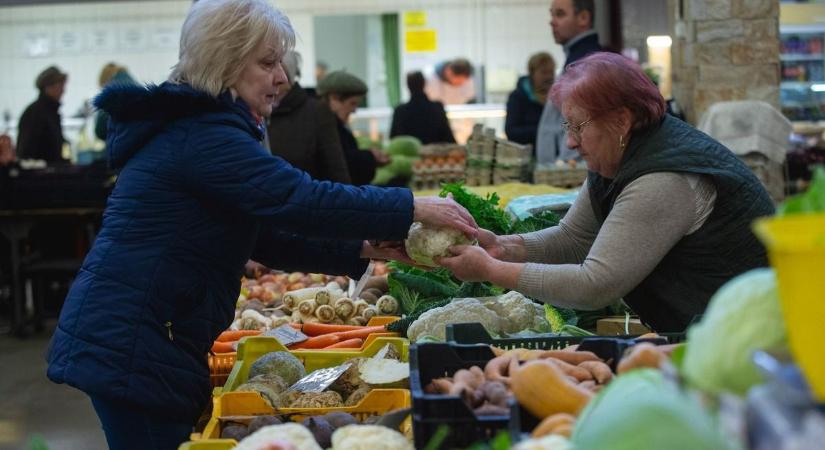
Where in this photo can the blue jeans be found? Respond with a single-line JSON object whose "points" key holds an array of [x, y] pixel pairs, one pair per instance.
{"points": [[132, 429]]}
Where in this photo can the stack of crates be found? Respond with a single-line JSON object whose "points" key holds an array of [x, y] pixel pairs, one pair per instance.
{"points": [[438, 163], [561, 174], [481, 154], [512, 164]]}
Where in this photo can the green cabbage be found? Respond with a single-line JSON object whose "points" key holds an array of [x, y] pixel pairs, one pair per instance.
{"points": [[404, 146], [640, 410], [743, 316]]}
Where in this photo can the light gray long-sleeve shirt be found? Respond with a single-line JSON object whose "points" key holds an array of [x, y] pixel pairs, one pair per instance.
{"points": [[580, 265]]}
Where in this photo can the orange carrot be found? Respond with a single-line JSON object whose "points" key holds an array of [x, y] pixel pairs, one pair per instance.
{"points": [[317, 342], [234, 335], [223, 347], [362, 333], [317, 329], [349, 343]]}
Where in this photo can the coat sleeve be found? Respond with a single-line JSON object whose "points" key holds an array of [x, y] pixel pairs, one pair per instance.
{"points": [[444, 132], [516, 128], [361, 163], [227, 165], [27, 136], [397, 121], [332, 162], [291, 252]]}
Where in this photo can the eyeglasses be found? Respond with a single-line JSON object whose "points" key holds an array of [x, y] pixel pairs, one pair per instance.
{"points": [[575, 130]]}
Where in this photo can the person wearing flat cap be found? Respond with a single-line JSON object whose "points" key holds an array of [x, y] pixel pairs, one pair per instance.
{"points": [[39, 132], [342, 92]]}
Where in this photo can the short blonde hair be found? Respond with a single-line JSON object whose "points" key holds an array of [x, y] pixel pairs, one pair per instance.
{"points": [[219, 38], [107, 73]]}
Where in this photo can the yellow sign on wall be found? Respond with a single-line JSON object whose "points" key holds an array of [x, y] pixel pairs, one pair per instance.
{"points": [[413, 19], [420, 41]]}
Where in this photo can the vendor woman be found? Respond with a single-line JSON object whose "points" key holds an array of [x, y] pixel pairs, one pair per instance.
{"points": [[662, 221]]}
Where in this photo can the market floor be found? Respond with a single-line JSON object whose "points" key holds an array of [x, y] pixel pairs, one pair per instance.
{"points": [[33, 407]]}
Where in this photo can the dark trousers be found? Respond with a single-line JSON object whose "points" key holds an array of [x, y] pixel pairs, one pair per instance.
{"points": [[132, 429]]}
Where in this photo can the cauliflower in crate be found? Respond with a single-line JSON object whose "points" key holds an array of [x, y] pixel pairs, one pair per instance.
{"points": [[462, 310], [424, 244], [517, 312]]}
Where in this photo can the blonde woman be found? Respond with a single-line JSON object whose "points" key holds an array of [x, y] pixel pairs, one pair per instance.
{"points": [[197, 195]]}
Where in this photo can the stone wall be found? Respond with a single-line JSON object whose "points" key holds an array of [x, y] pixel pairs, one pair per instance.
{"points": [[724, 50]]}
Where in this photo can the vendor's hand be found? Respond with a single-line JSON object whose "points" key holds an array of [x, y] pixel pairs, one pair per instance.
{"points": [[469, 263], [387, 251], [490, 242], [445, 212], [381, 159]]}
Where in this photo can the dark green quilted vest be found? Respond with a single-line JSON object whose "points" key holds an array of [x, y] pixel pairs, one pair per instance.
{"points": [[682, 283]]}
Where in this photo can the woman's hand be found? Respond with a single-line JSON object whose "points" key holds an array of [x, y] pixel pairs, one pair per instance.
{"points": [[490, 242], [387, 251], [469, 263], [445, 212]]}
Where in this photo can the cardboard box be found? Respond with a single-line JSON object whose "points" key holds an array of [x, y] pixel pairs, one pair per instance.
{"points": [[612, 326]]}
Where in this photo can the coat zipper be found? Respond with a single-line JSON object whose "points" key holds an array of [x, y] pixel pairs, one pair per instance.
{"points": [[168, 326]]}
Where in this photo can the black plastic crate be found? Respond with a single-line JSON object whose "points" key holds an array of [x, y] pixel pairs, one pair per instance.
{"points": [[475, 333], [430, 411]]}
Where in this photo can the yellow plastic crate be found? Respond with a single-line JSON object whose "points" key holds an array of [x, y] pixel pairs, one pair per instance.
{"points": [[220, 364], [377, 402], [209, 444], [253, 347], [796, 248]]}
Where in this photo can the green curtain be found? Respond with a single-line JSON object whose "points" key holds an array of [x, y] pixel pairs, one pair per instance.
{"points": [[392, 57]]}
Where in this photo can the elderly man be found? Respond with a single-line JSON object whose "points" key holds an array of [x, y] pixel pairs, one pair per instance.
{"points": [[572, 24], [40, 135]]}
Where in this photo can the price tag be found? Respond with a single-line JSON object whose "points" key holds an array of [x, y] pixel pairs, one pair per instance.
{"points": [[287, 335], [319, 380], [381, 354]]}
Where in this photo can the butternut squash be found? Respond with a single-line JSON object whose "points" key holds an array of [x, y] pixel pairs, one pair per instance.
{"points": [[643, 355], [552, 423], [542, 388]]}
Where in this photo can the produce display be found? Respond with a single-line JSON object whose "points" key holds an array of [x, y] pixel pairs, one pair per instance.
{"points": [[638, 393]]}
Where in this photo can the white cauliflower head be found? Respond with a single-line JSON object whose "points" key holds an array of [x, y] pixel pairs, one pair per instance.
{"points": [[517, 312], [461, 310], [369, 437], [424, 244], [295, 434]]}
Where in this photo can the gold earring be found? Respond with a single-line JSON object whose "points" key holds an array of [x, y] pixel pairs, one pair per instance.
{"points": [[621, 143]]}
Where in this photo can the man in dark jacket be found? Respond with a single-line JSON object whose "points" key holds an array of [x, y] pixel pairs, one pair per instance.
{"points": [[421, 117], [39, 133], [526, 102], [303, 131], [572, 23], [343, 92]]}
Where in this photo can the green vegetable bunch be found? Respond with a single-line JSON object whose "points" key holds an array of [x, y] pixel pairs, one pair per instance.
{"points": [[488, 214]]}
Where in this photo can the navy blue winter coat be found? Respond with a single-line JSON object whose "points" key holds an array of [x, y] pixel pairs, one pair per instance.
{"points": [[523, 113], [196, 196]]}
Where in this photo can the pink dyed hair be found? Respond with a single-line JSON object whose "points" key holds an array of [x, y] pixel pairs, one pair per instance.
{"points": [[603, 82]]}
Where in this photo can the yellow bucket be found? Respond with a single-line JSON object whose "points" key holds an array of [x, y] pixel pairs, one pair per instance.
{"points": [[796, 248]]}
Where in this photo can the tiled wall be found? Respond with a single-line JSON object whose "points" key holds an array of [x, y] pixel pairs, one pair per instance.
{"points": [[143, 35]]}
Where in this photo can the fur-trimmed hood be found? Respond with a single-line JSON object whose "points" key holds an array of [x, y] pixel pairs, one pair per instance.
{"points": [[139, 113]]}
